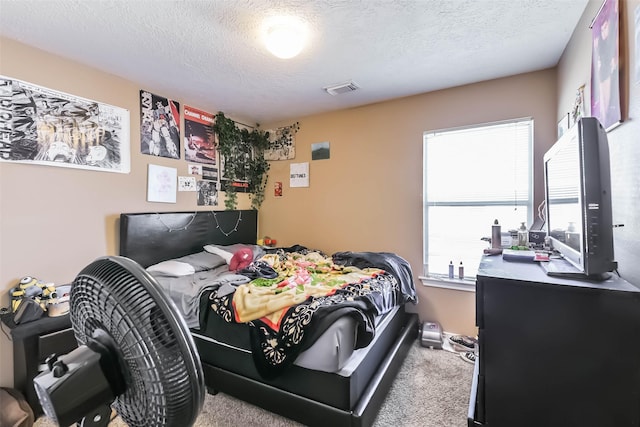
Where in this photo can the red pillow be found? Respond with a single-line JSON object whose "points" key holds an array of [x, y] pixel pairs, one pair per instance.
{"points": [[241, 259]]}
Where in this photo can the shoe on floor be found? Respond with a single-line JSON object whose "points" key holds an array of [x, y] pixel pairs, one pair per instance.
{"points": [[468, 356], [462, 342]]}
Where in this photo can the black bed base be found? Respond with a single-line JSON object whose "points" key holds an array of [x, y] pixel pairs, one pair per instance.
{"points": [[310, 412], [338, 390]]}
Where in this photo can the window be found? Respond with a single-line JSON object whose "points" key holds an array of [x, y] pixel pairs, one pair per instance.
{"points": [[472, 176]]}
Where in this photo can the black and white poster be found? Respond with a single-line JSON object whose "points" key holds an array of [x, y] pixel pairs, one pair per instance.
{"points": [[282, 143], [207, 193], [209, 173], [47, 127], [159, 126]]}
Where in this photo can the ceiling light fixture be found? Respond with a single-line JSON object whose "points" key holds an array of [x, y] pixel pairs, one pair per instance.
{"points": [[284, 36]]}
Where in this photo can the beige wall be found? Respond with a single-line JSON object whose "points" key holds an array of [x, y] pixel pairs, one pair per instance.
{"points": [[574, 70], [368, 196], [54, 221]]}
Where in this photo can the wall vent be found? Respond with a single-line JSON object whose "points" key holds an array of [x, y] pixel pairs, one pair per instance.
{"points": [[341, 88]]}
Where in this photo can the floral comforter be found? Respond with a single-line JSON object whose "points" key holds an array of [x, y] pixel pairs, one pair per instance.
{"points": [[310, 292]]}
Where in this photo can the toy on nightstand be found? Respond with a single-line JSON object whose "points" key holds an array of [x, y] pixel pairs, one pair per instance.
{"points": [[30, 287]]}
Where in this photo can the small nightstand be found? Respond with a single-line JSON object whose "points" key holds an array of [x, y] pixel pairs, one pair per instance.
{"points": [[33, 342]]}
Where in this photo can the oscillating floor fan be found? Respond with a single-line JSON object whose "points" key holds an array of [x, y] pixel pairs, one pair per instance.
{"points": [[135, 354]]}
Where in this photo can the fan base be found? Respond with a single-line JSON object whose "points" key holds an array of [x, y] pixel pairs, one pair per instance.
{"points": [[99, 418]]}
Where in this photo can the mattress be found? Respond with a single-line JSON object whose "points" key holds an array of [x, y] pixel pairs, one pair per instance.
{"points": [[341, 389], [311, 312], [329, 353]]}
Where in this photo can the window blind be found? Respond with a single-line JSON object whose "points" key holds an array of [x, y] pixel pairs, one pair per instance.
{"points": [[472, 176]]}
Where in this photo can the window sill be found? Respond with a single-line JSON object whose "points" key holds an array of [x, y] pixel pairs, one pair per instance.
{"points": [[467, 285]]}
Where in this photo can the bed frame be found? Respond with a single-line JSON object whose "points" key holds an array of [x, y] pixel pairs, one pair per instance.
{"points": [[149, 238]]}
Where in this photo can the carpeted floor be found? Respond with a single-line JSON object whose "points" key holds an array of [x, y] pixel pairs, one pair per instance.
{"points": [[431, 390]]}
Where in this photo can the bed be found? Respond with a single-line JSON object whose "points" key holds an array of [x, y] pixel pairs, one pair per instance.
{"points": [[341, 377]]}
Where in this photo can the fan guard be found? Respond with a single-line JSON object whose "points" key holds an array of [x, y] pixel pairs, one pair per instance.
{"points": [[147, 353]]}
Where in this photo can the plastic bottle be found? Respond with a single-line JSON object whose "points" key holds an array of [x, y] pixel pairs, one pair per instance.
{"points": [[523, 236], [461, 271], [450, 269], [496, 235]]}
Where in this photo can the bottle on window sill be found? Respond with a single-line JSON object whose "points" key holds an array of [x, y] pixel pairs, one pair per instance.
{"points": [[496, 235], [450, 269], [461, 271], [523, 236]]}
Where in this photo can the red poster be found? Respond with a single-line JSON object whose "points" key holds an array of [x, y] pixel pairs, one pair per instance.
{"points": [[199, 140]]}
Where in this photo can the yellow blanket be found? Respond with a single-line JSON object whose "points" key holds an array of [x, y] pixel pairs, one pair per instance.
{"points": [[299, 277]]}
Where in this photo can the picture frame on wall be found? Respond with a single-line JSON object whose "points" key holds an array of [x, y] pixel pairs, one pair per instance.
{"points": [[321, 150], [563, 125], [162, 184], [605, 65]]}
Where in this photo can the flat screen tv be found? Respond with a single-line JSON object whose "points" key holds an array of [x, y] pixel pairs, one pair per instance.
{"points": [[578, 202]]}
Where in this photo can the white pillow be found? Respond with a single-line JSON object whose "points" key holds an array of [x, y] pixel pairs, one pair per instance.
{"points": [[172, 268], [212, 249], [202, 260]]}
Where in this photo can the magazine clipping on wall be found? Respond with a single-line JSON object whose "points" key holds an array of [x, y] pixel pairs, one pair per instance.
{"points": [[207, 193], [605, 67], [48, 127], [209, 173], [299, 174], [187, 183], [159, 126], [195, 169], [277, 189], [199, 137]]}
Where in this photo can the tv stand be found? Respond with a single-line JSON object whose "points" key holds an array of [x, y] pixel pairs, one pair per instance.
{"points": [[554, 351], [559, 267]]}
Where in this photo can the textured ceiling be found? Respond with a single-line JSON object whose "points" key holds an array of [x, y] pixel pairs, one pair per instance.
{"points": [[209, 54]]}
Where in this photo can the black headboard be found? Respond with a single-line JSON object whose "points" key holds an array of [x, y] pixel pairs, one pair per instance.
{"points": [[149, 238]]}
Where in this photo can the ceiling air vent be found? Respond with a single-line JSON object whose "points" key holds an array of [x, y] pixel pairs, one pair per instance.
{"points": [[341, 88]]}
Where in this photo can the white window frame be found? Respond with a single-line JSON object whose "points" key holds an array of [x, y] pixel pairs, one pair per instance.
{"points": [[468, 283]]}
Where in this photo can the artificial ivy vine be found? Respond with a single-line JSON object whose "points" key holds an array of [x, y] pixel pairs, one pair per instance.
{"points": [[258, 167], [243, 153], [228, 143]]}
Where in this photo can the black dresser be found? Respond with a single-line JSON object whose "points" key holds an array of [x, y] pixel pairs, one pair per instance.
{"points": [[554, 352]]}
